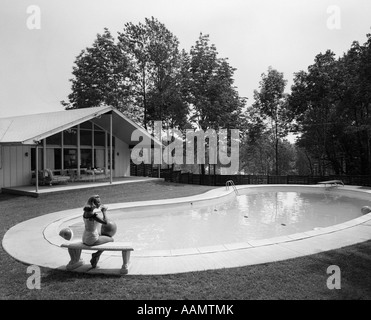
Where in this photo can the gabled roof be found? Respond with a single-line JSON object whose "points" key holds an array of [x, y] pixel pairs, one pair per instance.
{"points": [[30, 129]]}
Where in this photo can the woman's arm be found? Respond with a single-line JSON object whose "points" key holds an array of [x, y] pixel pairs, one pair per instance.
{"points": [[91, 215], [102, 221], [104, 209]]}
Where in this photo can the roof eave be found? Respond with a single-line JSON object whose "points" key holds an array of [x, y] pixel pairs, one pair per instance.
{"points": [[36, 139]]}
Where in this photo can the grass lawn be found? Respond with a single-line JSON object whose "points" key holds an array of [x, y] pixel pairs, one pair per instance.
{"points": [[300, 278]]}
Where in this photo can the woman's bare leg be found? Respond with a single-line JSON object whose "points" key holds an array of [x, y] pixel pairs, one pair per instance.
{"points": [[95, 256]]}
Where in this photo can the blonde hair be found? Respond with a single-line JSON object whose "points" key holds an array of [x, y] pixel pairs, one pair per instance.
{"points": [[92, 201]]}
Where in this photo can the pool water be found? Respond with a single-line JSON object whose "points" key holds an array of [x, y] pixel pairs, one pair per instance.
{"points": [[251, 216]]}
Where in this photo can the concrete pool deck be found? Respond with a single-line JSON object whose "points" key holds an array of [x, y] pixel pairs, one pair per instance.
{"points": [[36, 242]]}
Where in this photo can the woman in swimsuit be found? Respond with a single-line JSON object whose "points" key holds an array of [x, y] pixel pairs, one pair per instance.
{"points": [[91, 235]]}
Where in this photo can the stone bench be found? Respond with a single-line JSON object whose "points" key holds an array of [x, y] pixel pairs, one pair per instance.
{"points": [[333, 183], [74, 249]]}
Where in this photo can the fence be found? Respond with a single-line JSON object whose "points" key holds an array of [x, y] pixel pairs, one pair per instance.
{"points": [[220, 180]]}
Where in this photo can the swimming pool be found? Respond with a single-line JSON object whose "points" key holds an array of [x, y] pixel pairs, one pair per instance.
{"points": [[257, 213], [42, 233]]}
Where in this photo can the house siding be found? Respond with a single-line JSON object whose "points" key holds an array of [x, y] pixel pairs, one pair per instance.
{"points": [[15, 166]]}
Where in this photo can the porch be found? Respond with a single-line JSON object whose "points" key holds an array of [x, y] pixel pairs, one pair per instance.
{"points": [[30, 190]]}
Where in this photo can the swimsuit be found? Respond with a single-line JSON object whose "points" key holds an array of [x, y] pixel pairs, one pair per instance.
{"points": [[90, 235]]}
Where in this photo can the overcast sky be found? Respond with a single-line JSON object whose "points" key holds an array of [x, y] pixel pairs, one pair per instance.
{"points": [[36, 63]]}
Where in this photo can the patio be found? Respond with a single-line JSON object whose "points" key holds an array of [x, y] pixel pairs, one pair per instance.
{"points": [[30, 190]]}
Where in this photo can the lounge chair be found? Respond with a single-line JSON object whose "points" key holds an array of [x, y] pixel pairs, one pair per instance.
{"points": [[332, 183], [55, 179], [42, 178]]}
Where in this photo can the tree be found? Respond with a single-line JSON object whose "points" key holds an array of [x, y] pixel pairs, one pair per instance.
{"points": [[258, 148], [257, 154], [214, 100], [141, 75], [312, 102], [354, 106], [271, 104], [157, 63], [102, 75], [331, 106]]}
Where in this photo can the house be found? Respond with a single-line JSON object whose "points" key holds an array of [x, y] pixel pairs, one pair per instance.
{"points": [[74, 143]]}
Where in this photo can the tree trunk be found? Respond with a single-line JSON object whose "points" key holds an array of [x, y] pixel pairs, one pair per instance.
{"points": [[144, 98], [276, 148], [310, 163]]}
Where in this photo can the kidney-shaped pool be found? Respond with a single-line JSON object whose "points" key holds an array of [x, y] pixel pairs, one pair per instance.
{"points": [[256, 213]]}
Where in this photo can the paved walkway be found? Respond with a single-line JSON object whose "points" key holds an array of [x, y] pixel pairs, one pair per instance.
{"points": [[36, 241]]}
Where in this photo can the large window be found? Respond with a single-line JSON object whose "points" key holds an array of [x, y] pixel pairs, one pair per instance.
{"points": [[86, 125], [99, 156], [86, 158], [70, 158], [113, 160], [62, 148], [54, 158], [70, 137], [99, 137], [57, 158], [85, 137], [55, 139]]}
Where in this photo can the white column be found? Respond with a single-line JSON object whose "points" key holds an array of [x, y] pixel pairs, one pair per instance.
{"points": [[44, 154], [110, 148], [92, 145], [37, 169], [105, 152], [78, 152], [62, 149]]}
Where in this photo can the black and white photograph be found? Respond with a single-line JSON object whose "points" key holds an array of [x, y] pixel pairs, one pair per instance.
{"points": [[185, 156]]}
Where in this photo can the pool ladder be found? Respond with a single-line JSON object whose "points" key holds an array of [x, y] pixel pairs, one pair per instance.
{"points": [[231, 183]]}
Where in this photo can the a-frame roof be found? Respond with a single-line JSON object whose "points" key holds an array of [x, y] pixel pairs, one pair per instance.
{"points": [[30, 129]]}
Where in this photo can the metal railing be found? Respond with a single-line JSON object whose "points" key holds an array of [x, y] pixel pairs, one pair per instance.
{"points": [[231, 183]]}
